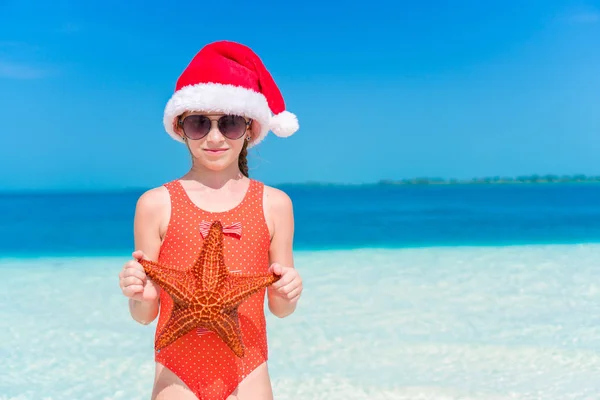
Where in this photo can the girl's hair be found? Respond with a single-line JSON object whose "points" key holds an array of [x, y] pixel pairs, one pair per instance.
{"points": [[243, 159]]}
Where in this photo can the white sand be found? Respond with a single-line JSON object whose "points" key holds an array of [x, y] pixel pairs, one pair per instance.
{"points": [[444, 323]]}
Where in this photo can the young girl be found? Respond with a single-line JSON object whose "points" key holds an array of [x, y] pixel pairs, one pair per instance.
{"points": [[224, 103]]}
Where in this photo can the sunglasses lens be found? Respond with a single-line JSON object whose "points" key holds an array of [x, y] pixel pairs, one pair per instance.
{"points": [[196, 126], [232, 126]]}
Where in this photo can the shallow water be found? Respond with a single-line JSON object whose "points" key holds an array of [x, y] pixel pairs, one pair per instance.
{"points": [[519, 322]]}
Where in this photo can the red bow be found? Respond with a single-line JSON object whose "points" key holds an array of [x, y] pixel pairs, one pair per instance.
{"points": [[234, 229]]}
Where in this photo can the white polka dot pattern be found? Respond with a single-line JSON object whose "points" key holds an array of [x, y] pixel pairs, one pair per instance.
{"points": [[204, 362]]}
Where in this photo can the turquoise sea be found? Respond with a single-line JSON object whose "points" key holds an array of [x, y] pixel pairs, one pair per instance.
{"points": [[327, 217], [411, 292]]}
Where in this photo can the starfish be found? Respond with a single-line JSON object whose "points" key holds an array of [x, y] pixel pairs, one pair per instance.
{"points": [[207, 295]]}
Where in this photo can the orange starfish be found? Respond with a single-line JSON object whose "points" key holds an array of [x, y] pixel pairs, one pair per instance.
{"points": [[207, 295]]}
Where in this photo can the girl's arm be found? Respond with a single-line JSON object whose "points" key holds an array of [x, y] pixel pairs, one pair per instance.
{"points": [[285, 293], [149, 214]]}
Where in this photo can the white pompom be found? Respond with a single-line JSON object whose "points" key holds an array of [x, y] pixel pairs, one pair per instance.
{"points": [[284, 124]]}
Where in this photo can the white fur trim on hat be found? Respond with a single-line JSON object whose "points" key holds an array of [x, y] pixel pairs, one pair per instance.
{"points": [[219, 98]]}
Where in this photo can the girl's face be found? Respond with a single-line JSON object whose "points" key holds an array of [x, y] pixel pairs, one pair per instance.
{"points": [[215, 140]]}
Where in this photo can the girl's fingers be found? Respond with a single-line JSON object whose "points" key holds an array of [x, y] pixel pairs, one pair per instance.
{"points": [[134, 272], [276, 269], [283, 281], [132, 281], [294, 294], [131, 290], [134, 265], [288, 283]]}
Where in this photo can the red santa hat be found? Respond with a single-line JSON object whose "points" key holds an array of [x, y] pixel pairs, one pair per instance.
{"points": [[228, 77]]}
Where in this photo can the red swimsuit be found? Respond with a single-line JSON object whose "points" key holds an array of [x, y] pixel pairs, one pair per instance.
{"points": [[204, 362]]}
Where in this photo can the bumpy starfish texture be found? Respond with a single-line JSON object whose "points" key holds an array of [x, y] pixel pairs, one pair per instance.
{"points": [[207, 295]]}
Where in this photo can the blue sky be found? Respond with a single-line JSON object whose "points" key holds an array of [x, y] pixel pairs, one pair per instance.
{"points": [[382, 90]]}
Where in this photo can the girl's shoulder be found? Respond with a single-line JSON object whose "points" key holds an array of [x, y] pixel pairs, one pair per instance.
{"points": [[277, 200], [154, 199]]}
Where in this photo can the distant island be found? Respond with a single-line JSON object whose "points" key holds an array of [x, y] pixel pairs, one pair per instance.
{"points": [[496, 180]]}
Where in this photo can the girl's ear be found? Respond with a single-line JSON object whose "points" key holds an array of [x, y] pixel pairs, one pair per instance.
{"points": [[255, 128], [176, 127]]}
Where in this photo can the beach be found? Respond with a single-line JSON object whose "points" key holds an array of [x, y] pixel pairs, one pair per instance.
{"points": [[505, 322], [441, 159]]}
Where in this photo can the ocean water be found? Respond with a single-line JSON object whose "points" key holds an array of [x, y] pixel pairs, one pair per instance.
{"points": [[410, 293], [327, 218]]}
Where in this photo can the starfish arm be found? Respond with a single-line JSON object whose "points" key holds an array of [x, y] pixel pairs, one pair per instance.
{"points": [[238, 278], [172, 281], [210, 266], [243, 286], [181, 322], [228, 329]]}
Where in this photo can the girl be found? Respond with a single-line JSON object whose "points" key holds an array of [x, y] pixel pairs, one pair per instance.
{"points": [[224, 103]]}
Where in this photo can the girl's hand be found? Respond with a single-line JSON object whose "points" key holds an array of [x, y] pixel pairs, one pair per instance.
{"points": [[289, 286], [133, 280]]}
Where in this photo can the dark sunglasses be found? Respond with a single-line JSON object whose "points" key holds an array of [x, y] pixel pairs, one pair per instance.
{"points": [[197, 126]]}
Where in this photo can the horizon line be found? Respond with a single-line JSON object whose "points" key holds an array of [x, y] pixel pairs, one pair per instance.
{"points": [[482, 179]]}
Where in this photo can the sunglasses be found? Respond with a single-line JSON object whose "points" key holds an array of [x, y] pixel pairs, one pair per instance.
{"points": [[197, 126]]}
